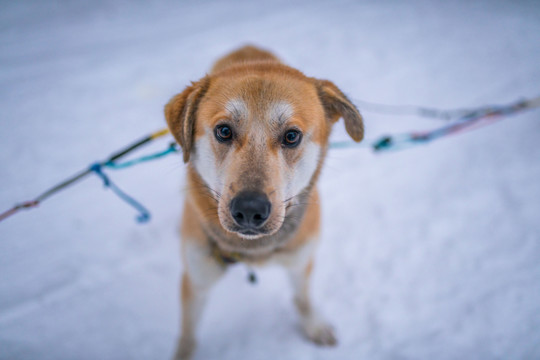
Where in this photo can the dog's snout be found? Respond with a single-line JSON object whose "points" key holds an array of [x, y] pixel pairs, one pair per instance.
{"points": [[250, 209]]}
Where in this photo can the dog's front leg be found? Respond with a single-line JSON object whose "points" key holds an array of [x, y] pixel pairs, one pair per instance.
{"points": [[201, 271], [314, 326]]}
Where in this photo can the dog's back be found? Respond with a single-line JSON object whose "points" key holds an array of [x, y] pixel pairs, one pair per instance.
{"points": [[244, 55]]}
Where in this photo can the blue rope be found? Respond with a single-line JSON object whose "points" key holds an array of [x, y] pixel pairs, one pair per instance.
{"points": [[144, 214], [346, 144], [171, 149]]}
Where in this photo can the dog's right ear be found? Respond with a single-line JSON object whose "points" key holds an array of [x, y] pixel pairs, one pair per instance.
{"points": [[181, 112]]}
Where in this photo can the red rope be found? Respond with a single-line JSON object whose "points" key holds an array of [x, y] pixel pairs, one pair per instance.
{"points": [[16, 208]]}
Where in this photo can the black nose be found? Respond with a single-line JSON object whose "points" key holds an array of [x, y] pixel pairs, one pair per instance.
{"points": [[250, 209]]}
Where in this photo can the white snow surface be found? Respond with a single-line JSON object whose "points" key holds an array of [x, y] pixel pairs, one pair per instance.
{"points": [[429, 253]]}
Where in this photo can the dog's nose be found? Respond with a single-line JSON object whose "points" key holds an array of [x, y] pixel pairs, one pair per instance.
{"points": [[250, 209]]}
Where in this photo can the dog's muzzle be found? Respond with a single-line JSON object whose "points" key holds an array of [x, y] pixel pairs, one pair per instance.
{"points": [[250, 210]]}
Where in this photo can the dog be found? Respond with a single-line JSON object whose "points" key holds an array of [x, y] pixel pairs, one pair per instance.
{"points": [[254, 134]]}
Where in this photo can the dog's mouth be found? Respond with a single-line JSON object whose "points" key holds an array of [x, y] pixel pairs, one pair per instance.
{"points": [[247, 232], [250, 215], [250, 234]]}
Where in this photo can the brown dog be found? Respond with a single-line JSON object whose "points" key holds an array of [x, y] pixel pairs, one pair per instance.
{"points": [[254, 133]]}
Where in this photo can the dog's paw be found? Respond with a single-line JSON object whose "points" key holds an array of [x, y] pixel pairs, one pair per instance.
{"points": [[320, 332], [185, 349]]}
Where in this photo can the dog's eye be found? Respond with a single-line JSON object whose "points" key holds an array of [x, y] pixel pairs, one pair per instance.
{"points": [[223, 133], [292, 138]]}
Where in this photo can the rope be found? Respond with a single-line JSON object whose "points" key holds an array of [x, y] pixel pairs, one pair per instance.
{"points": [[16, 208], [466, 122], [144, 214], [81, 175], [173, 147], [409, 110], [463, 120]]}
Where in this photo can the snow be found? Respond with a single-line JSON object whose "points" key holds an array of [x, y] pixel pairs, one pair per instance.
{"points": [[429, 253]]}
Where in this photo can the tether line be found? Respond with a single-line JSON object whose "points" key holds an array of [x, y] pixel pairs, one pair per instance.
{"points": [[459, 121]]}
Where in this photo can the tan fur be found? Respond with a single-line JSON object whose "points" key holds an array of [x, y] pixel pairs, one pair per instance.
{"points": [[246, 54], [257, 96]]}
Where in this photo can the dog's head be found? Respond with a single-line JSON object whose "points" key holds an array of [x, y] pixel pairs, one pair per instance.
{"points": [[257, 138]]}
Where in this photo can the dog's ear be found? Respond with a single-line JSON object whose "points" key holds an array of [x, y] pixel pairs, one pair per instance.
{"points": [[181, 112], [336, 105]]}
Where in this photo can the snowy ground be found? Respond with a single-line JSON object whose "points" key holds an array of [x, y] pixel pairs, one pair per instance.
{"points": [[431, 253]]}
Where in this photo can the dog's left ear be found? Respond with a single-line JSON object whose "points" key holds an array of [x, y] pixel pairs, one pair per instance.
{"points": [[181, 112], [336, 105]]}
